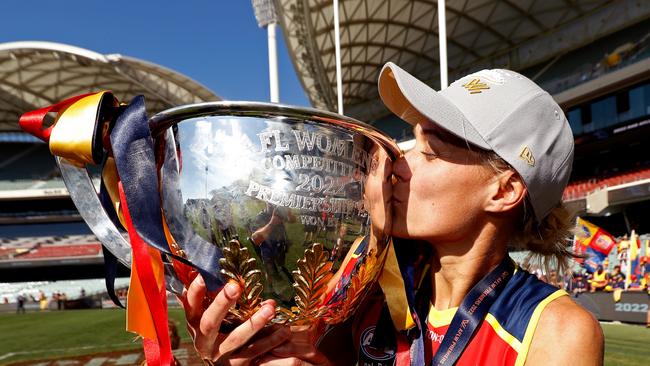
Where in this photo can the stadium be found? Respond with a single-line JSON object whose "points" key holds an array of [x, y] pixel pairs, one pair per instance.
{"points": [[593, 57]]}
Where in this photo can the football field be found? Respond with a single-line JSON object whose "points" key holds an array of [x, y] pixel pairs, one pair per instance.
{"points": [[55, 334], [63, 334]]}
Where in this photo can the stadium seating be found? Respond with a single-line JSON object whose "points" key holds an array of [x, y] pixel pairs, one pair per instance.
{"points": [[581, 188], [12, 249], [49, 247], [26, 161], [63, 251], [27, 166]]}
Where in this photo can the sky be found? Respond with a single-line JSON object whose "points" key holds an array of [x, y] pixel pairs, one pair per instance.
{"points": [[215, 42]]}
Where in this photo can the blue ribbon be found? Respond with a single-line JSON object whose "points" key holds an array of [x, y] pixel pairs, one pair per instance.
{"points": [[110, 272], [134, 156], [110, 261]]}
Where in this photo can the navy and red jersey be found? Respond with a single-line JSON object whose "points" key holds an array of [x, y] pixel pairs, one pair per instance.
{"points": [[503, 338]]}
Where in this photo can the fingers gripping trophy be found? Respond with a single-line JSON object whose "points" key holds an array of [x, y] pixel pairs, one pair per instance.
{"points": [[292, 204]]}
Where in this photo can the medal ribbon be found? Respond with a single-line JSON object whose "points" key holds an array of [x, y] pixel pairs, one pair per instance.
{"points": [[392, 285], [471, 313]]}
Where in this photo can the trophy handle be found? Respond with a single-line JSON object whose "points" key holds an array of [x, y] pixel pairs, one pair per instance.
{"points": [[83, 194], [85, 198]]}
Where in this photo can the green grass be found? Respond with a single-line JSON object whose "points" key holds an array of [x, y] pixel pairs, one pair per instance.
{"points": [[43, 335], [626, 345], [57, 334]]}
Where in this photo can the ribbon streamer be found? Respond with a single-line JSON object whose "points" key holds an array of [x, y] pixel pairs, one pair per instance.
{"points": [[134, 156], [32, 122], [147, 292], [393, 287]]}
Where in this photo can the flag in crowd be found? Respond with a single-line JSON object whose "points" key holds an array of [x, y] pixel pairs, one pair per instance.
{"points": [[633, 255], [594, 242]]}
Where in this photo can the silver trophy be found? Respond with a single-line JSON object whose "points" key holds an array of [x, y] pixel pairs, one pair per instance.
{"points": [[296, 200]]}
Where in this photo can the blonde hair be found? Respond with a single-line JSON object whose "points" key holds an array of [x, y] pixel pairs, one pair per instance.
{"points": [[548, 239]]}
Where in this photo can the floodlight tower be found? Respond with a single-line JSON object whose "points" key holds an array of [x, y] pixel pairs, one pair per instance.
{"points": [[267, 17], [442, 41]]}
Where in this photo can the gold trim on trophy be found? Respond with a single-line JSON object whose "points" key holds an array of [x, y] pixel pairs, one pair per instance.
{"points": [[311, 278], [238, 266]]}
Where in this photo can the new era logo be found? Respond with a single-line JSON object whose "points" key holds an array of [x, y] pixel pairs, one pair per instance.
{"points": [[475, 86], [527, 156]]}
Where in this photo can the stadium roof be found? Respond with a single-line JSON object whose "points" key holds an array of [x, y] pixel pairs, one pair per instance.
{"points": [[480, 34], [37, 74]]}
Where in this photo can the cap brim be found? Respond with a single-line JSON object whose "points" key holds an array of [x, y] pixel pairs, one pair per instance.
{"points": [[410, 99]]}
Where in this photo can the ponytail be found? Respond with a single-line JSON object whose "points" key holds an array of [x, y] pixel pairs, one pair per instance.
{"points": [[547, 240]]}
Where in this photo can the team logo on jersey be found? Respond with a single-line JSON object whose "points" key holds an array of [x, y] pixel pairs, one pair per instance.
{"points": [[375, 354]]}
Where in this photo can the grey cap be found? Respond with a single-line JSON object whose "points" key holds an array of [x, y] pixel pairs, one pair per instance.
{"points": [[498, 110]]}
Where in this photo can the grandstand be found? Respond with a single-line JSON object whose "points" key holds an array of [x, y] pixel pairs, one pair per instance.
{"points": [[609, 113], [593, 57], [42, 236], [50, 251]]}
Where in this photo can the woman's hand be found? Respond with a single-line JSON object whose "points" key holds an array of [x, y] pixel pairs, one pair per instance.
{"points": [[233, 348], [299, 349]]}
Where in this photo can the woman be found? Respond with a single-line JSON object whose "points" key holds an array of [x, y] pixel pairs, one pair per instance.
{"points": [[492, 157]]}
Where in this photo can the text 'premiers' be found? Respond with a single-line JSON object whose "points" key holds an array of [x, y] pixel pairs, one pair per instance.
{"points": [[328, 205]]}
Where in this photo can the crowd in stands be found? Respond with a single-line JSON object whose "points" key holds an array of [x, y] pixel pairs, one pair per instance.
{"points": [[609, 281], [602, 280]]}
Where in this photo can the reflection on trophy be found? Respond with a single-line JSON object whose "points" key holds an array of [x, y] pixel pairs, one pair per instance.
{"points": [[271, 181], [291, 203]]}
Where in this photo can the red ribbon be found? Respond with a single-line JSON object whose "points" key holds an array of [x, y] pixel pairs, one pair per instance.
{"points": [[151, 351], [157, 352], [403, 356], [32, 122]]}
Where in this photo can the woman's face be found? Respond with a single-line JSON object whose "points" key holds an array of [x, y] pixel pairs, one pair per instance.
{"points": [[441, 188], [378, 193]]}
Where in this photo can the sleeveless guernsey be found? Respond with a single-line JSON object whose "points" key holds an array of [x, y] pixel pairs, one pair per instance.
{"points": [[503, 338]]}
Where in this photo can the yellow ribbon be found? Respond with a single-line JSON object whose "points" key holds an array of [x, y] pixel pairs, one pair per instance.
{"points": [[75, 129], [392, 285], [110, 179]]}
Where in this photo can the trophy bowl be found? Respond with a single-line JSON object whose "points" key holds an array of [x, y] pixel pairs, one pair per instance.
{"points": [[296, 201]]}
